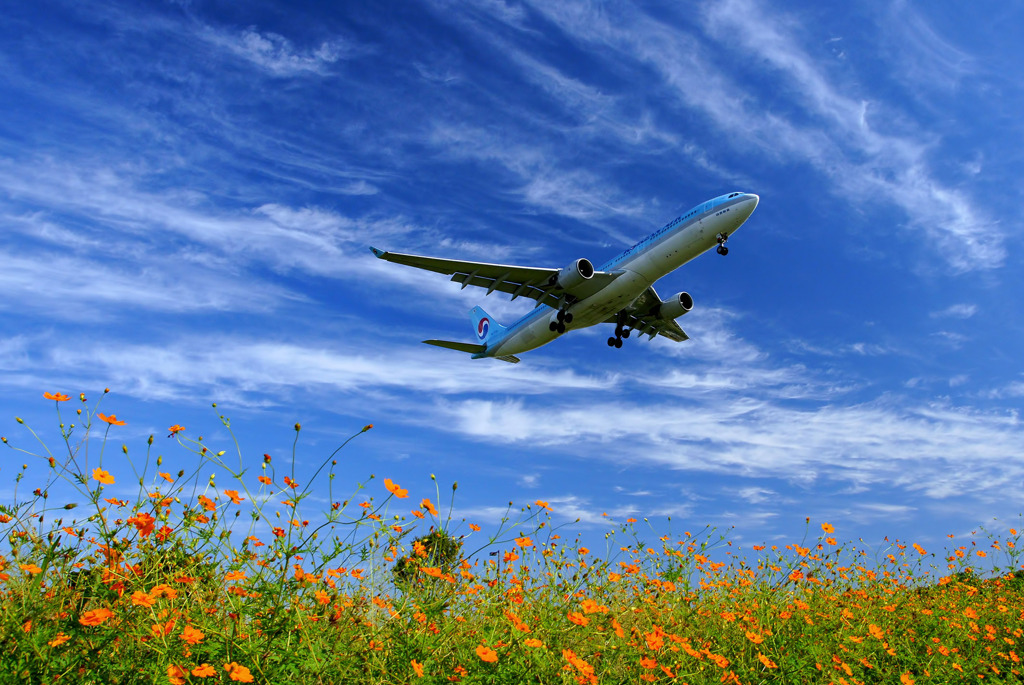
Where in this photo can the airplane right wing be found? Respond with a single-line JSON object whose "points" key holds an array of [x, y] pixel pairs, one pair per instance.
{"points": [[540, 284], [642, 316]]}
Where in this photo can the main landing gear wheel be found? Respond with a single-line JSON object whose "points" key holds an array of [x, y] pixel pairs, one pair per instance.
{"points": [[615, 342], [556, 326], [563, 316], [723, 250]]}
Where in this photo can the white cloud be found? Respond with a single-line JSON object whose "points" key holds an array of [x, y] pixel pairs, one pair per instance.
{"points": [[956, 311], [275, 54], [936, 449]]}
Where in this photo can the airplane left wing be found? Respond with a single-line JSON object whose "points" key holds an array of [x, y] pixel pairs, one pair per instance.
{"points": [[540, 284], [642, 316]]}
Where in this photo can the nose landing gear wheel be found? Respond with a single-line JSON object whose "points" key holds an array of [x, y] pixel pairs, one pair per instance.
{"points": [[723, 250], [721, 238]]}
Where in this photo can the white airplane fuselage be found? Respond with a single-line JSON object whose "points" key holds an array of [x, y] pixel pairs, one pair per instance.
{"points": [[664, 251]]}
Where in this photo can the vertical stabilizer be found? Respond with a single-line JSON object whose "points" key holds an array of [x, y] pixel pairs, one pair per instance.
{"points": [[484, 326]]}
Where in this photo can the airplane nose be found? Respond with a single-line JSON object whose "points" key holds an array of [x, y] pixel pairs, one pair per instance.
{"points": [[748, 206]]}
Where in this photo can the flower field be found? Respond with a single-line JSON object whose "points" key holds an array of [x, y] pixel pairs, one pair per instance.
{"points": [[195, 581]]}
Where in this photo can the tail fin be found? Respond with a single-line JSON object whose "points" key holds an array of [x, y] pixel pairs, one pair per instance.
{"points": [[486, 328]]}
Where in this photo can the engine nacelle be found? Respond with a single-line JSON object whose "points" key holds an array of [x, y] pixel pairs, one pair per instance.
{"points": [[576, 273], [675, 307]]}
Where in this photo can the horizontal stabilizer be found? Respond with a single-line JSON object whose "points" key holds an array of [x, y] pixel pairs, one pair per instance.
{"points": [[510, 358], [471, 348]]}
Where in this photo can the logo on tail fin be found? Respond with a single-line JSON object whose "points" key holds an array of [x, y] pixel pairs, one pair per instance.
{"points": [[483, 328]]}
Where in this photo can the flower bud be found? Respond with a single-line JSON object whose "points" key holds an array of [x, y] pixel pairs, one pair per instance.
{"points": [[221, 453], [298, 427], [150, 441]]}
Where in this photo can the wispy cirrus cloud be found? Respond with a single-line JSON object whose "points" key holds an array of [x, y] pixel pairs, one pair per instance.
{"points": [[937, 450], [833, 131], [275, 54]]}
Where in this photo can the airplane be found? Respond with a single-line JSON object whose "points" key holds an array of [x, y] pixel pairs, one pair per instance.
{"points": [[621, 292]]}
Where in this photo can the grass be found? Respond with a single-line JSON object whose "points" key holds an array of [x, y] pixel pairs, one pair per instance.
{"points": [[194, 582]]}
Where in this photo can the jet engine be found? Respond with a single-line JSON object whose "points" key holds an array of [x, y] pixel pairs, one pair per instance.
{"points": [[576, 273], [675, 307]]}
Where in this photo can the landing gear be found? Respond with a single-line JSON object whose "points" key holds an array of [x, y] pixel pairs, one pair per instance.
{"points": [[561, 318], [721, 238], [620, 332]]}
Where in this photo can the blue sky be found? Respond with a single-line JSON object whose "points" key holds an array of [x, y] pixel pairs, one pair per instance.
{"points": [[188, 190]]}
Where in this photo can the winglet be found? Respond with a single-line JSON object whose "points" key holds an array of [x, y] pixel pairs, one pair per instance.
{"points": [[378, 253]]}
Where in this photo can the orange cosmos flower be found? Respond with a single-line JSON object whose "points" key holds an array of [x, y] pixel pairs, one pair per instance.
{"points": [[239, 673], [542, 504], [192, 635], [234, 575], [207, 503], [920, 549], [175, 429], [290, 483], [264, 480], [233, 494], [981, 553], [102, 476], [142, 599], [176, 675], [905, 679], [30, 568], [429, 506], [768, 663], [57, 397], [395, 489], [578, 618], [60, 639], [95, 617], [876, 632], [524, 542], [755, 638], [475, 528], [112, 419], [164, 591], [486, 654], [828, 528], [204, 671], [533, 642], [417, 668]]}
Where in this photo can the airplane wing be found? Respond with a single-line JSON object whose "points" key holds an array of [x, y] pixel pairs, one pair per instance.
{"points": [[642, 317], [538, 284]]}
